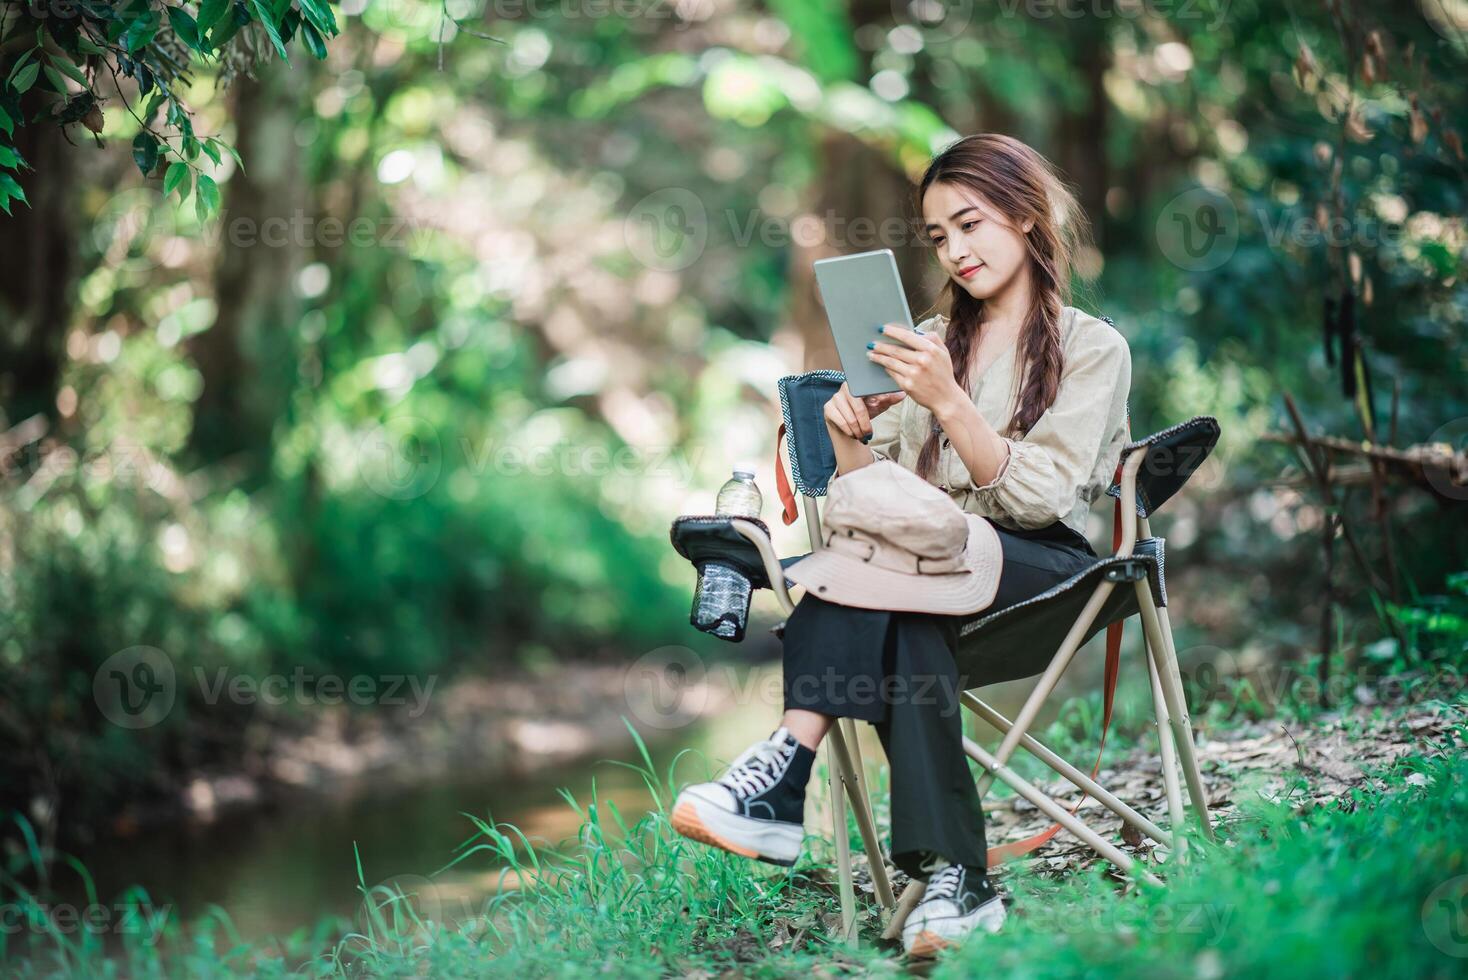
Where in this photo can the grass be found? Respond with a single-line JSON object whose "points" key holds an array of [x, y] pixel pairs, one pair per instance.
{"points": [[1288, 890]]}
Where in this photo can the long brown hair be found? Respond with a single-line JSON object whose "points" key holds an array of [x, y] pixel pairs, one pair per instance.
{"points": [[1023, 186]]}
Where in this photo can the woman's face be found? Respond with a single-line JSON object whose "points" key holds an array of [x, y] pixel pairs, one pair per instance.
{"points": [[978, 248]]}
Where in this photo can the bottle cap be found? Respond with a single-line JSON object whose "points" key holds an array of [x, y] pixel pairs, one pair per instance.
{"points": [[744, 470]]}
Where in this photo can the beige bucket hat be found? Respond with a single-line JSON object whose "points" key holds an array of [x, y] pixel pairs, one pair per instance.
{"points": [[895, 541]]}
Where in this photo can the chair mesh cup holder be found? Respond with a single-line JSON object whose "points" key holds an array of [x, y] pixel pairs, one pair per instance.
{"points": [[711, 542]]}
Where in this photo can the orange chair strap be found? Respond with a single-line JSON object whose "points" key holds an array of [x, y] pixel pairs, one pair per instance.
{"points": [[1014, 849], [788, 513]]}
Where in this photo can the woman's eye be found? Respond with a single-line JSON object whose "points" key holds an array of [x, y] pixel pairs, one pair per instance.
{"points": [[935, 242], [970, 225]]}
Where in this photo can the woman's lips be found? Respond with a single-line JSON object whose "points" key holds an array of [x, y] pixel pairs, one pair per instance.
{"points": [[968, 272]]}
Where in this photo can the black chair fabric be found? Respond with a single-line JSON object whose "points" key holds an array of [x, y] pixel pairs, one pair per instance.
{"points": [[1173, 456], [1019, 641], [702, 539]]}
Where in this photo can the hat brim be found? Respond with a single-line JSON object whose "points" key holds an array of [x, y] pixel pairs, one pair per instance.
{"points": [[845, 579]]}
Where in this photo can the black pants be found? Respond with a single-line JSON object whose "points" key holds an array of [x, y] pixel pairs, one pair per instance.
{"points": [[897, 670]]}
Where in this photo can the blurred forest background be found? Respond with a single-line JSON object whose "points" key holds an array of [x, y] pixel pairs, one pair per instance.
{"points": [[400, 356]]}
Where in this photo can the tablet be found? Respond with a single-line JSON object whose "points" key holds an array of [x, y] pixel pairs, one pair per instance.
{"points": [[861, 292]]}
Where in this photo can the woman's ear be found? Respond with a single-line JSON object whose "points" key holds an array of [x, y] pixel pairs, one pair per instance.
{"points": [[1030, 223]]}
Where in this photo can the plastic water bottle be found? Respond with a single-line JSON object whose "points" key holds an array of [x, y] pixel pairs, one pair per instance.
{"points": [[739, 497], [721, 600]]}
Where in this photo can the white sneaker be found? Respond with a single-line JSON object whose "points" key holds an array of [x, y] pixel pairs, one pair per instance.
{"points": [[956, 901], [757, 807]]}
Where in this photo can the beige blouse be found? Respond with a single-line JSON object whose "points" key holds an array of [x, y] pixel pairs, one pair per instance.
{"points": [[1067, 458]]}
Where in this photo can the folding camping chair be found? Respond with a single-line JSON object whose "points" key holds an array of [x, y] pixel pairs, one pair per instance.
{"points": [[1009, 644]]}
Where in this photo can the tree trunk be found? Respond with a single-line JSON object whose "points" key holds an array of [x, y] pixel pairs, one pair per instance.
{"points": [[248, 357], [37, 266]]}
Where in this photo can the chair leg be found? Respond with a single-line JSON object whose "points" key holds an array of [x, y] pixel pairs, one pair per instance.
{"points": [[1189, 752], [844, 742], [1056, 812], [843, 846], [1048, 680], [1170, 680], [911, 895], [1165, 748], [1070, 772]]}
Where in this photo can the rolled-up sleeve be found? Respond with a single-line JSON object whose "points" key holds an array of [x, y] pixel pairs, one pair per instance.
{"points": [[1046, 470]]}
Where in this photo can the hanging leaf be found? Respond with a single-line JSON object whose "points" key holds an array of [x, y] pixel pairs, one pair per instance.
{"points": [[229, 148], [211, 147], [267, 19], [209, 13], [313, 41], [57, 80], [71, 70], [6, 123], [24, 60], [12, 189], [184, 26], [178, 174], [145, 152], [318, 12], [209, 191], [25, 78], [140, 33], [226, 27]]}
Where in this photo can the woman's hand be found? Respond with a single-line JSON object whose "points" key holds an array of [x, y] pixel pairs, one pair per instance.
{"points": [[920, 365], [852, 416]]}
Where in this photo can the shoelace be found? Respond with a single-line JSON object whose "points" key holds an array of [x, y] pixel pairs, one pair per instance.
{"points": [[944, 884], [756, 769]]}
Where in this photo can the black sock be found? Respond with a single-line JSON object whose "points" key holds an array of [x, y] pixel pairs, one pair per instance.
{"points": [[799, 772]]}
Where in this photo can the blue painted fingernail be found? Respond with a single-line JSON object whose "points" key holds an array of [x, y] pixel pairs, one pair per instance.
{"points": [[881, 328], [872, 345], [867, 437]]}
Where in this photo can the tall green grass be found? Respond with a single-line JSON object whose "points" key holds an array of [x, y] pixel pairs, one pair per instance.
{"points": [[1288, 890]]}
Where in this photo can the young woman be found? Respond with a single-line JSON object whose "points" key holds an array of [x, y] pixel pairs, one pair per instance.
{"points": [[1014, 403]]}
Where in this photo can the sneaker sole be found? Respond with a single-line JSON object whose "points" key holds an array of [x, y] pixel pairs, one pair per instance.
{"points": [[688, 821], [927, 944]]}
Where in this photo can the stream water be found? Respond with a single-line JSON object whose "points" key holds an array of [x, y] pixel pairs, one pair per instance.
{"points": [[278, 868]]}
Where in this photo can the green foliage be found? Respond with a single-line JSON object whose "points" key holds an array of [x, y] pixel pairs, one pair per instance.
{"points": [[91, 40], [1279, 894]]}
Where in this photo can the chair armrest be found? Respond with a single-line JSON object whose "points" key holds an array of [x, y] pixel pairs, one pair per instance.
{"points": [[742, 543]]}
